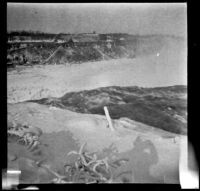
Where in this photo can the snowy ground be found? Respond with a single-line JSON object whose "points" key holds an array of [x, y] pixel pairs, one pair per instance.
{"points": [[56, 80]]}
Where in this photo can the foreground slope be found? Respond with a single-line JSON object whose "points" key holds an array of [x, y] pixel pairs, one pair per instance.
{"points": [[150, 155]]}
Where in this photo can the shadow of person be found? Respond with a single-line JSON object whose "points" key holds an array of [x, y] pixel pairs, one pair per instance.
{"points": [[143, 156]]}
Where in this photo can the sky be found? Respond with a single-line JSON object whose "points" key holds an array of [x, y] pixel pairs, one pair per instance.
{"points": [[132, 18]]}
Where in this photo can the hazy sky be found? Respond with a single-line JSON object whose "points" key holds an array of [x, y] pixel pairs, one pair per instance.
{"points": [[132, 18]]}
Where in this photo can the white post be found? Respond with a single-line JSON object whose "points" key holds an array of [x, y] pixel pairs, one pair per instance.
{"points": [[108, 118]]}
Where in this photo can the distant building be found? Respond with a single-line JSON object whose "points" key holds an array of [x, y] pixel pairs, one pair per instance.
{"points": [[16, 38], [23, 45], [109, 37], [65, 39], [106, 40], [62, 37], [70, 42], [86, 39], [109, 43], [59, 41], [120, 42]]}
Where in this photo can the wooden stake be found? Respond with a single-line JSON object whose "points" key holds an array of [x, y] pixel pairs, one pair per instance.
{"points": [[108, 118]]}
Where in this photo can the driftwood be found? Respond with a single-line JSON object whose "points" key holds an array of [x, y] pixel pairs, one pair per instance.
{"points": [[53, 54], [125, 51], [104, 56]]}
